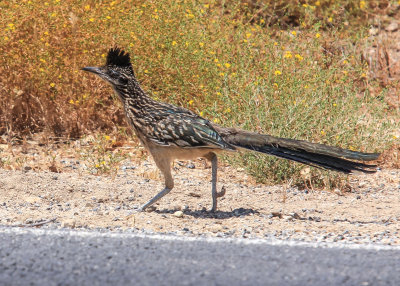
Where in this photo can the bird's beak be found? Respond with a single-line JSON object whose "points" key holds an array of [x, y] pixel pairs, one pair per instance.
{"points": [[95, 70]]}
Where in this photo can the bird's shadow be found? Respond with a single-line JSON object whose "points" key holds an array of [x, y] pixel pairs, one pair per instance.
{"points": [[209, 214]]}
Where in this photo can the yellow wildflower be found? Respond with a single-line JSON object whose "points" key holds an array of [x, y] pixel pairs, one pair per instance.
{"points": [[362, 4], [174, 43], [330, 19], [323, 133], [299, 57], [191, 102], [294, 33], [227, 65], [52, 84], [107, 137], [278, 72], [288, 55], [91, 19], [317, 35], [317, 3]]}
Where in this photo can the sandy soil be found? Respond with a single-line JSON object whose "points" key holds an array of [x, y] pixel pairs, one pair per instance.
{"points": [[370, 212]]}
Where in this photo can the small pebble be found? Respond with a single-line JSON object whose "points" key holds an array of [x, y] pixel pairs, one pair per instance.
{"points": [[190, 166], [178, 214], [28, 221], [338, 192], [393, 27]]}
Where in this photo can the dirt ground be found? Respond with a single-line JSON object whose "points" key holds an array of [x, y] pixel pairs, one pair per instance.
{"points": [[74, 198], [44, 187]]}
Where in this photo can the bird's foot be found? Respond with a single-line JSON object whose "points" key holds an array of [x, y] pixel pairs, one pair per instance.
{"points": [[144, 208]]}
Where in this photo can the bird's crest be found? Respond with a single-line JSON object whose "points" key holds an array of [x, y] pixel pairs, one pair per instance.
{"points": [[118, 57]]}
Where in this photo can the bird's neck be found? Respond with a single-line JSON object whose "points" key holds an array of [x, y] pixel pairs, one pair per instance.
{"points": [[132, 92]]}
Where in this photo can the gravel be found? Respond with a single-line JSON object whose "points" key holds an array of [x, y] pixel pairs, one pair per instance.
{"points": [[75, 199]]}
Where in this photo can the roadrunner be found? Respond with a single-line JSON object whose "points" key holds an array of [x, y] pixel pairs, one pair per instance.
{"points": [[170, 132]]}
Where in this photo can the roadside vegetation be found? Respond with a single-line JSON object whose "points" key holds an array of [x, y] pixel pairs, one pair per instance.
{"points": [[288, 68]]}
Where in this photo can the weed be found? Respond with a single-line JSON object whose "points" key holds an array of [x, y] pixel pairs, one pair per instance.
{"points": [[290, 69], [101, 157]]}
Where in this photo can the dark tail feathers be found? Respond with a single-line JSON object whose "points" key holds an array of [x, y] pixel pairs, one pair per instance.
{"points": [[317, 155]]}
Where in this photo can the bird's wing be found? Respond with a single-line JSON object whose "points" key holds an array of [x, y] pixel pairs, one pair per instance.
{"points": [[183, 128]]}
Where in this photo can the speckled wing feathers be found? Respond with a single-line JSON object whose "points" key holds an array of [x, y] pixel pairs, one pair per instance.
{"points": [[169, 125], [183, 128]]}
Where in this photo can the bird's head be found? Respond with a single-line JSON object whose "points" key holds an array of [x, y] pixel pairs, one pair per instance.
{"points": [[117, 70]]}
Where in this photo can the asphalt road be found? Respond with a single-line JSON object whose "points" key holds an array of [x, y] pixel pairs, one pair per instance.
{"points": [[63, 257]]}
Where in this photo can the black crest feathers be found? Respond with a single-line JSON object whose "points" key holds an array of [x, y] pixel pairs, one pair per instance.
{"points": [[118, 57]]}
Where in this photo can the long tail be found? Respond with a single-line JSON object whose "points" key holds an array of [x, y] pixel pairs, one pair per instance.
{"points": [[317, 155]]}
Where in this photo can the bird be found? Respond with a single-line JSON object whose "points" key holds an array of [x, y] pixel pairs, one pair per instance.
{"points": [[172, 132]]}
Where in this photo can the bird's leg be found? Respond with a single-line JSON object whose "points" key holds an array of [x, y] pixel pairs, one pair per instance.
{"points": [[165, 168], [214, 166]]}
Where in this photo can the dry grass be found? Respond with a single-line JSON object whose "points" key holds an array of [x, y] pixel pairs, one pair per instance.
{"points": [[288, 69]]}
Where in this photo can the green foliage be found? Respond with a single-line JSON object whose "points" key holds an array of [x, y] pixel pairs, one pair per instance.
{"points": [[102, 157], [230, 62]]}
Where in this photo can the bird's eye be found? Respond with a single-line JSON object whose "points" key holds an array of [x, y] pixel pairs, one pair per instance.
{"points": [[123, 80]]}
